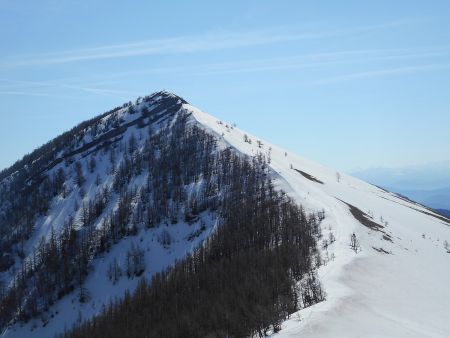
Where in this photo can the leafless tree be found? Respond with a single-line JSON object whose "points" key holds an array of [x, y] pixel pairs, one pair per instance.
{"points": [[354, 243], [447, 246], [331, 238], [114, 271]]}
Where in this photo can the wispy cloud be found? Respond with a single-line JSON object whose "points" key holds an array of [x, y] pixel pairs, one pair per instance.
{"points": [[381, 73], [104, 84], [54, 88], [289, 63], [197, 43], [102, 91], [319, 60], [27, 93], [178, 45], [107, 84]]}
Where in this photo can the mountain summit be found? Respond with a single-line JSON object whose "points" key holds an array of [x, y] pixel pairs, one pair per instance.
{"points": [[157, 219]]}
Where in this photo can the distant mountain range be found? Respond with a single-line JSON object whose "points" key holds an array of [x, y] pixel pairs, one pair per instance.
{"points": [[427, 184], [444, 212]]}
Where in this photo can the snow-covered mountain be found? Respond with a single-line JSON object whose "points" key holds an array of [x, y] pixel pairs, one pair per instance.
{"points": [[383, 260], [397, 285]]}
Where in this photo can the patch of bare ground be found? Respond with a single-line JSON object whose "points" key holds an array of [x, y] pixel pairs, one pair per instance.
{"points": [[308, 176], [367, 221], [381, 250], [387, 237]]}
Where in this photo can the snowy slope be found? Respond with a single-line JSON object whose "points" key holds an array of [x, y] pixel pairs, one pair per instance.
{"points": [[101, 290], [397, 286]]}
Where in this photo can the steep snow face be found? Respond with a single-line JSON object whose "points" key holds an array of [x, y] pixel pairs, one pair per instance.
{"points": [[396, 284]]}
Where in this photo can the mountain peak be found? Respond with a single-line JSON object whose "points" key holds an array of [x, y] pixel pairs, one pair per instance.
{"points": [[154, 179], [99, 131], [164, 94]]}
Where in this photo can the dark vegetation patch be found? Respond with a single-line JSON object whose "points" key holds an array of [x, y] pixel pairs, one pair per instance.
{"points": [[308, 176], [196, 233], [363, 218], [256, 269], [367, 221], [43, 155], [387, 237], [167, 108], [26, 188], [242, 281], [381, 250]]}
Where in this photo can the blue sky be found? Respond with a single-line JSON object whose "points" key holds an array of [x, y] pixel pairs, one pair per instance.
{"points": [[350, 84]]}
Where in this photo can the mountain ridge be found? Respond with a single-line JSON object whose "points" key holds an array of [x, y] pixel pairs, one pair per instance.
{"points": [[29, 159], [103, 215], [411, 233]]}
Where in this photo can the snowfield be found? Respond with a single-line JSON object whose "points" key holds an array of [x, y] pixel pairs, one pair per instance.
{"points": [[396, 285], [391, 288]]}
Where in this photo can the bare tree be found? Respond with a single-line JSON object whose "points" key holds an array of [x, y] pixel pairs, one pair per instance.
{"points": [[92, 164], [354, 243], [114, 271], [79, 177], [331, 238]]}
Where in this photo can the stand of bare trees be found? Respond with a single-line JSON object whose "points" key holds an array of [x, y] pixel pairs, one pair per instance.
{"points": [[253, 271], [242, 281]]}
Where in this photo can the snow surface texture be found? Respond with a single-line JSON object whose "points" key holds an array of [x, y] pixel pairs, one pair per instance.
{"points": [[396, 286], [391, 288]]}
